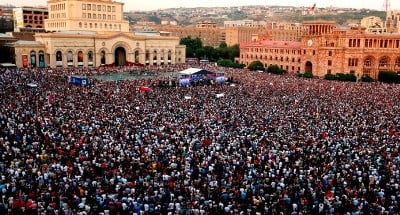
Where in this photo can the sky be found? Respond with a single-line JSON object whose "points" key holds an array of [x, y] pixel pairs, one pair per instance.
{"points": [[136, 5]]}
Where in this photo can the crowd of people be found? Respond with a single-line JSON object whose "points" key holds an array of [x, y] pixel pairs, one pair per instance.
{"points": [[258, 144]]}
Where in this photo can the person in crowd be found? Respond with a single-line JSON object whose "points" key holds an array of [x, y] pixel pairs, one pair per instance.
{"points": [[267, 145]]}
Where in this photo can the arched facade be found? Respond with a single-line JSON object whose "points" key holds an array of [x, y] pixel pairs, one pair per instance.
{"points": [[330, 51], [80, 50]]}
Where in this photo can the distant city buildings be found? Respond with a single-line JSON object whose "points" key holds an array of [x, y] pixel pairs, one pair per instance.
{"points": [[244, 23], [29, 19], [208, 32], [393, 21], [373, 24]]}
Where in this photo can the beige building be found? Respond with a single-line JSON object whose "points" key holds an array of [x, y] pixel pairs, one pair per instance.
{"points": [[75, 41], [393, 21], [209, 33], [373, 24], [29, 18], [93, 15]]}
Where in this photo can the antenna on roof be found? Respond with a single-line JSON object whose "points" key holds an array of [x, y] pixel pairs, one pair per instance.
{"points": [[386, 5]]}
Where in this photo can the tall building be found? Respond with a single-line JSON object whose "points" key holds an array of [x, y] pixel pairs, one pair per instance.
{"points": [[84, 33], [325, 49], [237, 35], [208, 32], [373, 24], [29, 19], [93, 15], [393, 21]]}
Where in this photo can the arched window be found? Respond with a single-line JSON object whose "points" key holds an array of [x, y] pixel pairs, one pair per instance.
{"points": [[41, 59], [70, 58], [58, 58], [169, 56], [155, 57], [80, 58], [33, 58], [137, 56], [90, 58], [368, 62], [103, 57], [384, 62]]}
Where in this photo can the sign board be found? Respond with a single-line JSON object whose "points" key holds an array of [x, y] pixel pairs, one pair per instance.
{"points": [[78, 80]]}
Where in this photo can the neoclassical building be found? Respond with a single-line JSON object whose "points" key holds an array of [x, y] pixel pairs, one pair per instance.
{"points": [[84, 33], [325, 49]]}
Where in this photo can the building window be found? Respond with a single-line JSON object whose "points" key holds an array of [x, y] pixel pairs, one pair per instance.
{"points": [[113, 9], [94, 16], [83, 6], [108, 8], [104, 8], [99, 7], [83, 15], [329, 53], [89, 7], [89, 15], [329, 62], [94, 7], [353, 62], [329, 72]]}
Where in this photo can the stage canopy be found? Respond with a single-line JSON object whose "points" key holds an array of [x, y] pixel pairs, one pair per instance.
{"points": [[195, 71]]}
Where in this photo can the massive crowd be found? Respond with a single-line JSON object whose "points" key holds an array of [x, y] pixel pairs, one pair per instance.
{"points": [[260, 144]]}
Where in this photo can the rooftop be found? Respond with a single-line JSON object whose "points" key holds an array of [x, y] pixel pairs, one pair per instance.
{"points": [[272, 43]]}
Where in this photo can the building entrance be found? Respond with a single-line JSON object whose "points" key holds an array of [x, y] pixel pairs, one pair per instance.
{"points": [[308, 67], [120, 57]]}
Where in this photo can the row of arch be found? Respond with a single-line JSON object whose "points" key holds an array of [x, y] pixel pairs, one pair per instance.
{"points": [[37, 59], [383, 62], [120, 57]]}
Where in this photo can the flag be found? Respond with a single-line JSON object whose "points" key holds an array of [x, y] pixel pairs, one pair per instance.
{"points": [[144, 89], [313, 7], [50, 99]]}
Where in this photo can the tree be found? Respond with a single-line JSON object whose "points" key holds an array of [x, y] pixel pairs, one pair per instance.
{"points": [[367, 78], [192, 45], [210, 53], [306, 75], [234, 51], [273, 69], [223, 45], [229, 63], [256, 65], [388, 77], [200, 53]]}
